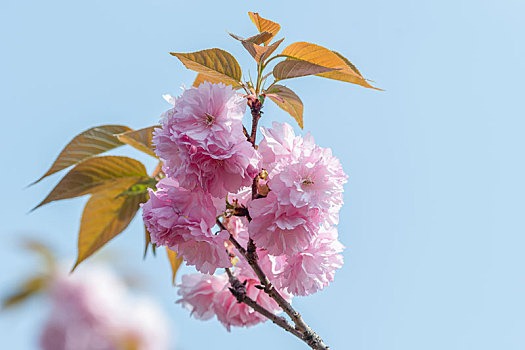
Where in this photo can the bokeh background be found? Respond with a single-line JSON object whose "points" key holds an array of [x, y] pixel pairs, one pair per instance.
{"points": [[434, 214]]}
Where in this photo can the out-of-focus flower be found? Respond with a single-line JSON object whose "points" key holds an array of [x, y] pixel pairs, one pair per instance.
{"points": [[91, 309]]}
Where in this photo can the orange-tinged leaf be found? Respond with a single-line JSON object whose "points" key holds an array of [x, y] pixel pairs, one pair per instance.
{"points": [[26, 290], [148, 242], [213, 63], [85, 145], [105, 215], [256, 39], [252, 45], [348, 63], [264, 25], [292, 68], [42, 250], [327, 58], [270, 50], [175, 262], [140, 139], [315, 54], [201, 78], [97, 174], [288, 100]]}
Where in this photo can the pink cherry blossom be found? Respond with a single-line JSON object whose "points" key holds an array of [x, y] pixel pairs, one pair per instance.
{"points": [[302, 173], [238, 227], [208, 114], [216, 170], [312, 269], [316, 180], [198, 292], [183, 220], [202, 143], [281, 229], [278, 144]]}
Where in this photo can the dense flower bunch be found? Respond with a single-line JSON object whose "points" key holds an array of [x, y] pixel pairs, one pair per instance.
{"points": [[92, 309], [282, 196]]}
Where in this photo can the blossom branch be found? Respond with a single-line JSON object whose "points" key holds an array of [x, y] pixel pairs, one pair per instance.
{"points": [[250, 254], [238, 289]]}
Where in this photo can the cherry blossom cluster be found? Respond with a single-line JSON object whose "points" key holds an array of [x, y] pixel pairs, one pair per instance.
{"points": [[284, 195], [92, 309]]}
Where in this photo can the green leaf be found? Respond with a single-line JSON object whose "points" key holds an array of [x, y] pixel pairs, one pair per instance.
{"points": [[213, 63], [264, 25], [28, 289], [175, 262], [139, 187], [322, 56], [105, 215], [292, 68], [140, 139], [286, 99], [97, 174], [85, 145]]}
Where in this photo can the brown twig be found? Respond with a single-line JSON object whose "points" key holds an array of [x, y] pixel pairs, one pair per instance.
{"points": [[238, 289], [250, 254]]}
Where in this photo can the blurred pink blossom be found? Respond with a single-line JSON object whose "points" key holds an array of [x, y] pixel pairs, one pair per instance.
{"points": [[92, 309]]}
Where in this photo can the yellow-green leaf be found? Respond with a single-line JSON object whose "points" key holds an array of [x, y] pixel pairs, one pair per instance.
{"points": [[264, 25], [140, 139], [288, 101], [213, 63], [327, 58], [26, 290], [85, 145], [105, 215], [292, 68], [175, 262], [97, 174]]}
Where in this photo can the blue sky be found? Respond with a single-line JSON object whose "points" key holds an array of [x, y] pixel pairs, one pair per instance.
{"points": [[433, 221]]}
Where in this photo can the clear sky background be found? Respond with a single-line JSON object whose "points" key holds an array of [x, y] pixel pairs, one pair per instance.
{"points": [[434, 215]]}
